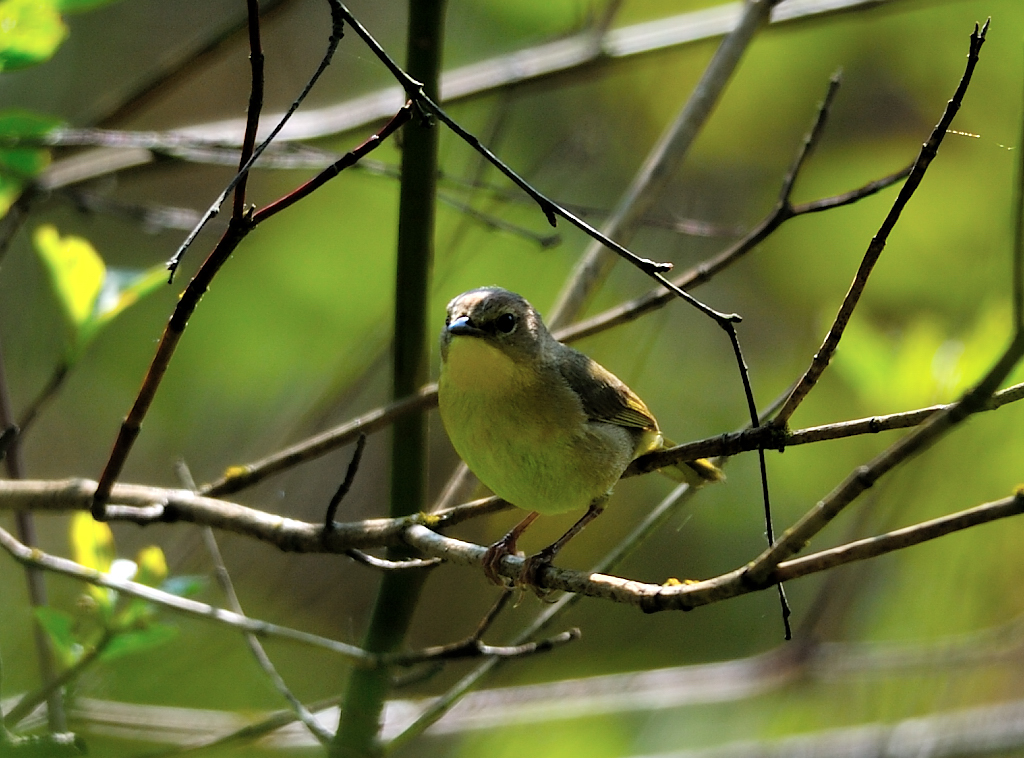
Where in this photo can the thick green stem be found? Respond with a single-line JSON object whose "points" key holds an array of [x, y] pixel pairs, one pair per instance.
{"points": [[399, 591]]}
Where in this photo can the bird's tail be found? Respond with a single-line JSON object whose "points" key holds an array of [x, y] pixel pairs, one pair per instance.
{"points": [[695, 473]]}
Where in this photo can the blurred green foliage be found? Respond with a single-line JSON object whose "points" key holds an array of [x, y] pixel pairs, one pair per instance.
{"points": [[90, 294]]}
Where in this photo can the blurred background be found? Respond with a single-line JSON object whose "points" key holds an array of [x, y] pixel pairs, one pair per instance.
{"points": [[294, 338]]}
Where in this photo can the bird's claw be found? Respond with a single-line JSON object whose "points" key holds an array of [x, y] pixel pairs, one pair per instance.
{"points": [[495, 554], [528, 577], [533, 567]]}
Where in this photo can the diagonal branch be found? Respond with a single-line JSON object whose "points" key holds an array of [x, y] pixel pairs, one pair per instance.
{"points": [[36, 558], [248, 160], [928, 152], [656, 597], [240, 477], [183, 310], [769, 438]]}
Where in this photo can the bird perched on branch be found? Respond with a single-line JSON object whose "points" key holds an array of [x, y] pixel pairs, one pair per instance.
{"points": [[540, 424]]}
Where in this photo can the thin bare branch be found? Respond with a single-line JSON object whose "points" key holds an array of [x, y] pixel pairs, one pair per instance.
{"points": [[902, 538], [38, 559], [928, 152], [346, 484], [252, 118], [144, 505], [654, 597], [385, 565], [562, 56], [241, 477], [474, 648], [255, 647], [769, 438]]}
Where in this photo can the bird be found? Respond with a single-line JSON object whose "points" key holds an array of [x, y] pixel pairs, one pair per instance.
{"points": [[540, 424]]}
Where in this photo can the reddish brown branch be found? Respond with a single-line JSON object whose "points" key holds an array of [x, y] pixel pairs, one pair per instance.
{"points": [[252, 119], [235, 233], [348, 160]]}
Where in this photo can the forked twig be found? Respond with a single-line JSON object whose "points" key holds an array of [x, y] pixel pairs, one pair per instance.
{"points": [[928, 152], [255, 647], [240, 477], [186, 305], [249, 154], [414, 91], [750, 578]]}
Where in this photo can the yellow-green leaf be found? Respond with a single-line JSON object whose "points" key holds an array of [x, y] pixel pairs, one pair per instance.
{"points": [[122, 289], [30, 32], [152, 566], [60, 626], [92, 542], [24, 162], [76, 271], [80, 6], [10, 188], [92, 545]]}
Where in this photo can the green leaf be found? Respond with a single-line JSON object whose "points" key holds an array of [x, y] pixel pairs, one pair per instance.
{"points": [[76, 271], [184, 586], [59, 626], [138, 614], [91, 294], [80, 6], [92, 545], [25, 162], [10, 188], [152, 566], [127, 643], [30, 32], [121, 289]]}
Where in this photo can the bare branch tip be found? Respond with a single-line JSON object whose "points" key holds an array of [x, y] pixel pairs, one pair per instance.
{"points": [[7, 437]]}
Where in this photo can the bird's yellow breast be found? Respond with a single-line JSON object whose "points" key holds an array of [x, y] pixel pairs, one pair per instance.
{"points": [[475, 364], [524, 433]]}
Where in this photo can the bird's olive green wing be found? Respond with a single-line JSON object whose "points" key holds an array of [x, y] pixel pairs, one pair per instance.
{"points": [[605, 397]]}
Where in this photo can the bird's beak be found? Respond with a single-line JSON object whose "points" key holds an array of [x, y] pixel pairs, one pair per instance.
{"points": [[462, 325]]}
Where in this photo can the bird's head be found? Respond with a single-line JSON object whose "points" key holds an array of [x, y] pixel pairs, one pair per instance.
{"points": [[500, 318]]}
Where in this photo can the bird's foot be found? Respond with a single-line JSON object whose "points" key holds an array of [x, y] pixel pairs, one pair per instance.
{"points": [[533, 567], [495, 554]]}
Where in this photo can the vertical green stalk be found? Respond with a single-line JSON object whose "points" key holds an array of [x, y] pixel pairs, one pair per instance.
{"points": [[399, 591]]}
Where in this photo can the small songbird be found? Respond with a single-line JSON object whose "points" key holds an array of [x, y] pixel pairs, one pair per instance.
{"points": [[540, 424]]}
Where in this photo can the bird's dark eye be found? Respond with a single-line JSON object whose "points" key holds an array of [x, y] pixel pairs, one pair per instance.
{"points": [[506, 322]]}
